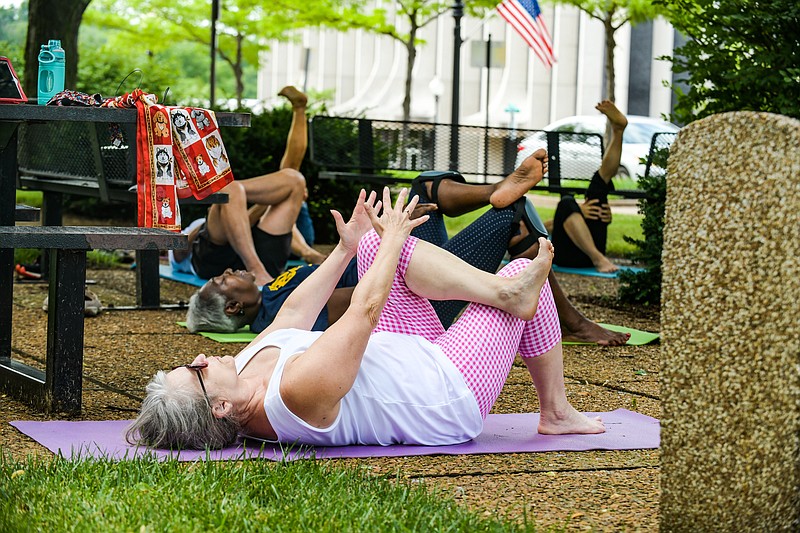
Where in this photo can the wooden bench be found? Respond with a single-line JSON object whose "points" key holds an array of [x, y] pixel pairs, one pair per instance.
{"points": [[391, 152], [59, 387]]}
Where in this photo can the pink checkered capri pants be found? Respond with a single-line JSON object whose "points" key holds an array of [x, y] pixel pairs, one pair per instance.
{"points": [[483, 342]]}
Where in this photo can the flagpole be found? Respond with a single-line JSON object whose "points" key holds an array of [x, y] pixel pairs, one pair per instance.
{"points": [[458, 12]]}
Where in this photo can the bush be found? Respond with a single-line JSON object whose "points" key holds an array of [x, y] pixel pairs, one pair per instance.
{"points": [[258, 150], [741, 55], [645, 287]]}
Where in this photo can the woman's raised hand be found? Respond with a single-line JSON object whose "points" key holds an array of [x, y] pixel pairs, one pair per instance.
{"points": [[395, 219], [352, 231]]}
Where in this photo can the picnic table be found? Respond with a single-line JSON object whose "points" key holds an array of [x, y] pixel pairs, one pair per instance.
{"points": [[59, 387]]}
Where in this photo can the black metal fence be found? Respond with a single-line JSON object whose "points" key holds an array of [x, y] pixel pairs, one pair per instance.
{"points": [[366, 146], [658, 154]]}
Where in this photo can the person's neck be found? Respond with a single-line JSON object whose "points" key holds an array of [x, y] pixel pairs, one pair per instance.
{"points": [[253, 418], [251, 312]]}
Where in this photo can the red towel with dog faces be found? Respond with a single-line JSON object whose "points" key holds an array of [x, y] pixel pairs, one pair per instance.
{"points": [[179, 153]]}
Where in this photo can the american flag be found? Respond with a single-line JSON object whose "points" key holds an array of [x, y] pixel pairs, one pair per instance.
{"points": [[526, 17]]}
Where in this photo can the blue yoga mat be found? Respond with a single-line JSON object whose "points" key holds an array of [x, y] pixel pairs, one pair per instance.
{"points": [[594, 272], [166, 272]]}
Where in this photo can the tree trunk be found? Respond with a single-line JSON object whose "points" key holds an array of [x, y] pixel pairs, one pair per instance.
{"points": [[52, 19], [611, 80], [610, 45], [411, 47]]}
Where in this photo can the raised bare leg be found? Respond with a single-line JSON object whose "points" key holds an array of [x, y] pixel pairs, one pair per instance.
{"points": [[577, 230], [575, 326], [528, 174], [284, 192], [303, 250], [611, 158], [297, 141], [557, 416], [230, 224], [518, 295]]}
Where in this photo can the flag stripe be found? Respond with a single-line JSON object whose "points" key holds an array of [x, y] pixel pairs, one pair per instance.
{"points": [[526, 19], [530, 30]]}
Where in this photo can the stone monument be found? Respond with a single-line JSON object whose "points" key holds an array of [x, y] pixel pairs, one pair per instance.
{"points": [[730, 319]]}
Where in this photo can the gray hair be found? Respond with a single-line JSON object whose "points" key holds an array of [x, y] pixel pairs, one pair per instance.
{"points": [[178, 418], [207, 313]]}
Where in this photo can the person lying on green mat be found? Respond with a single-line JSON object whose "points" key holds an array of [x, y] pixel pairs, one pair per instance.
{"points": [[258, 238], [386, 372], [231, 301]]}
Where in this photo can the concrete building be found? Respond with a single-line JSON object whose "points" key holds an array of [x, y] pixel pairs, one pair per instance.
{"points": [[364, 73]]}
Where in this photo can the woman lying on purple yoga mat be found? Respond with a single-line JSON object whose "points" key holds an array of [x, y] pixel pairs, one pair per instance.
{"points": [[386, 372]]}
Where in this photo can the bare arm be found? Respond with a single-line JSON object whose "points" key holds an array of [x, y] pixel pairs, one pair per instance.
{"points": [[314, 383], [302, 307]]}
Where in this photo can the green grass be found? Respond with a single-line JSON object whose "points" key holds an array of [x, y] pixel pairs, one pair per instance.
{"points": [[144, 495], [31, 198], [630, 225]]}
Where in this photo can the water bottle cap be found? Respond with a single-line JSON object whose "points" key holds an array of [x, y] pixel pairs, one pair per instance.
{"points": [[46, 56], [54, 43]]}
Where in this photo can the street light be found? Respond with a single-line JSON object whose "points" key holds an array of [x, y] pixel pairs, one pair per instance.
{"points": [[436, 87], [458, 12]]}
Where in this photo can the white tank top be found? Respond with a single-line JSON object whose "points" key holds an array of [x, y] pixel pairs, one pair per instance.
{"points": [[406, 392]]}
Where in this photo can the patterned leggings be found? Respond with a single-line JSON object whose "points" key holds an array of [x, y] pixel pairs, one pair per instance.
{"points": [[483, 342]]}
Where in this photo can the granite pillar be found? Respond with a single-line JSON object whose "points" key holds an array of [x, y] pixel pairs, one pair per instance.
{"points": [[731, 326]]}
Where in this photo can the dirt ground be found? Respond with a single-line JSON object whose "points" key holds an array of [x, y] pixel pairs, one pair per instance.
{"points": [[601, 491]]}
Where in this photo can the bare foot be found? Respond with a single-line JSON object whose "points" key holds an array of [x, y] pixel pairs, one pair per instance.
{"points": [[604, 265], [314, 257], [614, 115], [262, 276], [569, 421], [588, 331], [521, 296], [297, 98], [516, 184]]}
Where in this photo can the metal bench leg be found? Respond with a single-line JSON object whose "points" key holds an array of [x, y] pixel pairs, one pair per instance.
{"points": [[64, 368], [148, 294], [52, 215], [6, 302]]}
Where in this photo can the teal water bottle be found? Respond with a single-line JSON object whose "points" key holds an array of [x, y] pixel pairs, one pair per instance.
{"points": [[51, 71]]}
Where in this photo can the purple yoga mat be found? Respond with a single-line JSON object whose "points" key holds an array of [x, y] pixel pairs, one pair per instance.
{"points": [[511, 433]]}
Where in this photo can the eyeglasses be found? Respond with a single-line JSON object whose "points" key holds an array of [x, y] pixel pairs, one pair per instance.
{"points": [[197, 368]]}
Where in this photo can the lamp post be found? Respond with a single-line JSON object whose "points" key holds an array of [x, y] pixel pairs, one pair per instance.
{"points": [[436, 87], [458, 12]]}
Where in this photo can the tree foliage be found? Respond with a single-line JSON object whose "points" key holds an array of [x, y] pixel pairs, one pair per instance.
{"points": [[614, 14], [741, 55], [13, 25], [244, 29]]}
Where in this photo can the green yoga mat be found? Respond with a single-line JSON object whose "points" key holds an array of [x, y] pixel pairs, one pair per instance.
{"points": [[243, 335], [638, 337]]}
